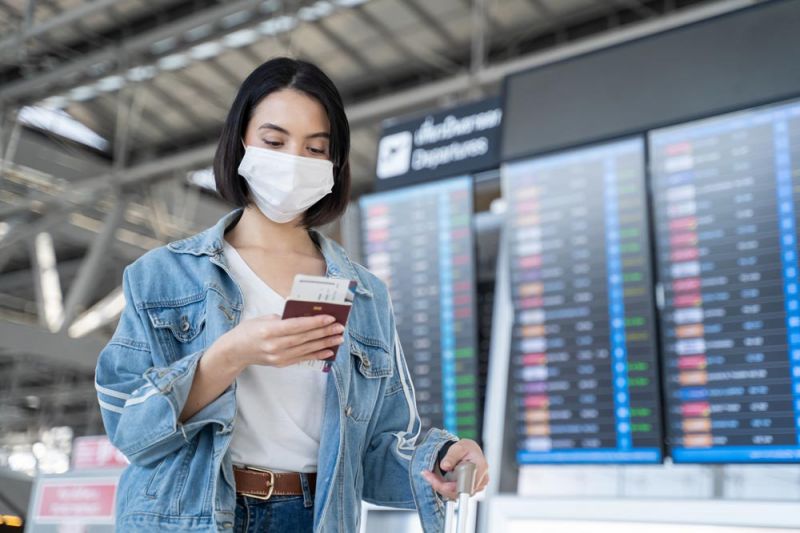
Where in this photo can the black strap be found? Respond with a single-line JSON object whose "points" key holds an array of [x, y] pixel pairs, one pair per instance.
{"points": [[443, 452]]}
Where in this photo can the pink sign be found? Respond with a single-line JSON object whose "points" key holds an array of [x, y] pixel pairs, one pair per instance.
{"points": [[96, 452], [89, 500]]}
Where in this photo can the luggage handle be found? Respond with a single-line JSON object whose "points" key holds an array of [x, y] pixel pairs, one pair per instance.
{"points": [[464, 476]]}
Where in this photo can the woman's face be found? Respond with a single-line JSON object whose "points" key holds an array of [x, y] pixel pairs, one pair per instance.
{"points": [[292, 122]]}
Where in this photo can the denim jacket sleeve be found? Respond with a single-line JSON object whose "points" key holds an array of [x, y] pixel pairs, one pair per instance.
{"points": [[394, 458], [141, 401]]}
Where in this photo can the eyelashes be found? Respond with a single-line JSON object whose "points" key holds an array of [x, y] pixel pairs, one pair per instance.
{"points": [[277, 144]]}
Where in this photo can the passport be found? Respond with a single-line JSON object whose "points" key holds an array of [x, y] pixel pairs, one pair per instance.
{"points": [[320, 295]]}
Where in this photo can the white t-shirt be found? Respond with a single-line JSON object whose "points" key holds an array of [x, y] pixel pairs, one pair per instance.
{"points": [[278, 410]]}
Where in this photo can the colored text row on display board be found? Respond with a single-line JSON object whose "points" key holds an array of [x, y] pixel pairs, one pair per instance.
{"points": [[584, 368], [419, 240], [726, 208]]}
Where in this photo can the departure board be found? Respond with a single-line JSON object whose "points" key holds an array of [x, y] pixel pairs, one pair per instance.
{"points": [[584, 373], [726, 198], [420, 241]]}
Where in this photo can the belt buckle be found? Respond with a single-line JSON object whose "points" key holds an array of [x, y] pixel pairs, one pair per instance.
{"points": [[271, 482]]}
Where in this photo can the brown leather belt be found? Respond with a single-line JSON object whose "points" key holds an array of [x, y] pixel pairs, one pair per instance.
{"points": [[263, 484]]}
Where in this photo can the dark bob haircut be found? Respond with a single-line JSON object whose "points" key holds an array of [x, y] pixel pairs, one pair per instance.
{"points": [[275, 75]]}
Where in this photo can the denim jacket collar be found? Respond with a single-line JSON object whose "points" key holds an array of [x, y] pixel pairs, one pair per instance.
{"points": [[209, 242]]}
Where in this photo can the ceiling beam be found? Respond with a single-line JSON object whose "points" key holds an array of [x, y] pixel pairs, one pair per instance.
{"points": [[136, 48], [423, 55], [72, 15], [438, 28], [81, 288]]}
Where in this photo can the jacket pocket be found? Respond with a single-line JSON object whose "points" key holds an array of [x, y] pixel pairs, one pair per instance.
{"points": [[151, 490], [179, 325], [372, 362]]}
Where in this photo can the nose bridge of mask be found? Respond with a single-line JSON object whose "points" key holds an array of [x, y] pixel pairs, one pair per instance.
{"points": [[303, 170], [278, 175]]}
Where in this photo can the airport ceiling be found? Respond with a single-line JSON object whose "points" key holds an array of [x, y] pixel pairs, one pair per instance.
{"points": [[180, 62], [153, 79]]}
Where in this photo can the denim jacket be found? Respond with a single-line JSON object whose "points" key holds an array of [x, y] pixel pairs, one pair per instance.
{"points": [[179, 299]]}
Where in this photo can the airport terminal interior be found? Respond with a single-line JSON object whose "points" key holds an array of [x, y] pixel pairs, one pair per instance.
{"points": [[586, 214]]}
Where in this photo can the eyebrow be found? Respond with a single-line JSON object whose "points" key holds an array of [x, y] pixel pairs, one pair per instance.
{"points": [[270, 126]]}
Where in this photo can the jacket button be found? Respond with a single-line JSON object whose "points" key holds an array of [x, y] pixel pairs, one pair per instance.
{"points": [[365, 362], [184, 324], [348, 410]]}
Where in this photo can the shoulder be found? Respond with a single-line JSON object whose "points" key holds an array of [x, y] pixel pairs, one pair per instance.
{"points": [[163, 275], [373, 282], [157, 261]]}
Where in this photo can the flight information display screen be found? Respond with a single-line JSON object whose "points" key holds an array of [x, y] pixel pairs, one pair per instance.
{"points": [[420, 241], [726, 194], [584, 373]]}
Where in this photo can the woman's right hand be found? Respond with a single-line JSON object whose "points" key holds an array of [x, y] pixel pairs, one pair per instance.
{"points": [[271, 341]]}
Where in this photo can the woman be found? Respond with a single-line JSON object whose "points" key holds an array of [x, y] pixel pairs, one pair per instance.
{"points": [[209, 393]]}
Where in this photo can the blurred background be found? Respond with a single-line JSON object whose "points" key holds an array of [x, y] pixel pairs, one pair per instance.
{"points": [[585, 210]]}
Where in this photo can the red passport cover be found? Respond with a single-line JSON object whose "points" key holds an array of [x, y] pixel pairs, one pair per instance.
{"points": [[300, 308]]}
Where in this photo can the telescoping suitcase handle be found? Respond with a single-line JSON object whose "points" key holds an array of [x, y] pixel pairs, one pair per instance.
{"points": [[464, 476]]}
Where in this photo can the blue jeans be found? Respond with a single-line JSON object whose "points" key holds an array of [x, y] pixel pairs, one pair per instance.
{"points": [[280, 513]]}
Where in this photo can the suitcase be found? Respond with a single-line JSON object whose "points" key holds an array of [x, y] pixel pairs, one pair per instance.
{"points": [[457, 513]]}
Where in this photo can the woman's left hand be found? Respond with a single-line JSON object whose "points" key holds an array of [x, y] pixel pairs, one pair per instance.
{"points": [[463, 450]]}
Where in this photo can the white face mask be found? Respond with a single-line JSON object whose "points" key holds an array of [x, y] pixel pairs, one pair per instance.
{"points": [[282, 185]]}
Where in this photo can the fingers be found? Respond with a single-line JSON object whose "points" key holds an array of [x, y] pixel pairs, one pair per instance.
{"points": [[468, 450], [448, 488], [293, 326], [484, 481], [455, 454], [310, 341], [322, 345], [322, 354], [445, 488]]}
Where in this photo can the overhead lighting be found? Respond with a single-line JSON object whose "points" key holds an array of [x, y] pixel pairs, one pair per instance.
{"points": [[110, 83], [206, 50], [142, 73], [203, 178], [61, 123], [49, 282], [3, 229], [100, 314], [83, 93], [316, 11], [173, 62], [55, 102], [22, 461], [240, 38], [237, 39], [277, 25]]}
